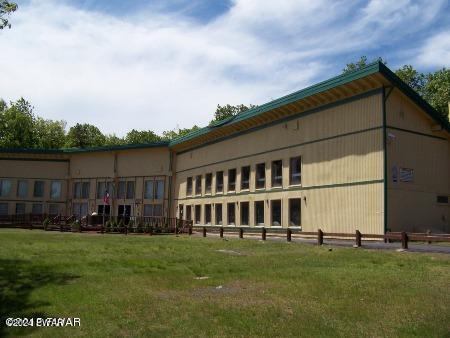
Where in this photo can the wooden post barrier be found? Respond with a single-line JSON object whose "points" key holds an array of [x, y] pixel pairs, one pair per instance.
{"points": [[126, 230], [102, 229], [263, 234], [429, 234], [204, 231], [358, 238], [221, 232], [241, 233], [60, 227], [288, 235], [319, 237], [404, 240], [31, 226], [190, 230]]}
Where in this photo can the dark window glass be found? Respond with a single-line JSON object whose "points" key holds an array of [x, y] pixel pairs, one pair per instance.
{"points": [[231, 213], [38, 189], [198, 185], [259, 212], [130, 189], [36, 209], [295, 170], [77, 190], [85, 190], [149, 190], [22, 189], [157, 210], [159, 189], [148, 210], [55, 189], [53, 209], [232, 180], [121, 190], [245, 177], [101, 209], [20, 208], [245, 213], [189, 186], [3, 209], [189, 212], [276, 212], [218, 214], [277, 173], [181, 211], [208, 213], [442, 199], [260, 175], [208, 183], [219, 181], [5, 187], [295, 212], [198, 214]]}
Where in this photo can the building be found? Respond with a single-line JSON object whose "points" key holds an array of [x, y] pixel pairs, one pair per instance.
{"points": [[358, 151]]}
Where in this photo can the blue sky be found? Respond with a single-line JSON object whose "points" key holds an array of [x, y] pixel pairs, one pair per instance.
{"points": [[165, 64]]}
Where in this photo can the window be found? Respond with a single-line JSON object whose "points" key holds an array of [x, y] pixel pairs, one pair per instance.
{"points": [[5, 187], [276, 212], [208, 213], [121, 189], [77, 190], [148, 210], [198, 214], [218, 214], [232, 180], [181, 211], [157, 210], [149, 190], [442, 199], [188, 212], [245, 212], [295, 171], [295, 212], [20, 208], [219, 181], [53, 209], [231, 213], [259, 212], [260, 176], [85, 187], [208, 183], [36, 209], [102, 188], [130, 190], [189, 186], [22, 189], [38, 189], [245, 177], [198, 185], [81, 209], [159, 192], [55, 189], [3, 209], [277, 173]]}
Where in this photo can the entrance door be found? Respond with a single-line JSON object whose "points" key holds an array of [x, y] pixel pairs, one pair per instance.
{"points": [[124, 212]]}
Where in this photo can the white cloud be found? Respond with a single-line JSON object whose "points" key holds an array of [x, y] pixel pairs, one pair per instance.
{"points": [[157, 70], [436, 51]]}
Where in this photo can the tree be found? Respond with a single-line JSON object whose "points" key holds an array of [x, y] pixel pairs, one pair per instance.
{"points": [[173, 134], [437, 91], [6, 8], [49, 134], [361, 63], [113, 140], [224, 112], [17, 125], [141, 136], [83, 136]]}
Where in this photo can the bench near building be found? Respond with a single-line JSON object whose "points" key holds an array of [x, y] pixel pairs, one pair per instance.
{"points": [[358, 151]]}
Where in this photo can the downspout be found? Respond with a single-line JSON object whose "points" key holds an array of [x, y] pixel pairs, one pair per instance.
{"points": [[169, 202]]}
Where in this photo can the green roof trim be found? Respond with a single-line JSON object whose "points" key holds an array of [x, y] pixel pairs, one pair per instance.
{"points": [[375, 67], [85, 150]]}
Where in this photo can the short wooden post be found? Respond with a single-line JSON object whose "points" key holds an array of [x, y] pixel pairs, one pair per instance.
{"points": [[102, 230], [79, 228], [429, 234], [404, 240], [190, 230], [126, 230], [241, 233], [31, 226], [204, 231], [221, 232], [358, 238], [288, 235], [319, 237], [263, 234], [60, 227]]}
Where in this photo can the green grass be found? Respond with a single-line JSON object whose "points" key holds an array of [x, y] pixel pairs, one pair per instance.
{"points": [[146, 286]]}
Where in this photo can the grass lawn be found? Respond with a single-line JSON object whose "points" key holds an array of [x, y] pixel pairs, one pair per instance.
{"points": [[148, 286]]}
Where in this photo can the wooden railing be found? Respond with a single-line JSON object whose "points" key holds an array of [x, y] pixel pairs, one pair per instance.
{"points": [[319, 235]]}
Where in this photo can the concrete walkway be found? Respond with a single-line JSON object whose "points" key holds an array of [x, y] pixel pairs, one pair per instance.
{"points": [[374, 245]]}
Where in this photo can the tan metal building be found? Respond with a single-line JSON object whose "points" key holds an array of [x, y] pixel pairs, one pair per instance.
{"points": [[358, 151]]}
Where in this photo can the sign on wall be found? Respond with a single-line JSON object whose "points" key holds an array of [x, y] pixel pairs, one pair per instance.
{"points": [[406, 175]]}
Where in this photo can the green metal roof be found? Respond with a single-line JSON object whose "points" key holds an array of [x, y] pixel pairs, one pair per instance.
{"points": [[375, 67]]}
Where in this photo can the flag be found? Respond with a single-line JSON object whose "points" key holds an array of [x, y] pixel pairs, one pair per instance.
{"points": [[106, 198]]}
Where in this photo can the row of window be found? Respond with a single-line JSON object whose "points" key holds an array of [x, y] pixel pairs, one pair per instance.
{"points": [[150, 210], [260, 177], [153, 189], [38, 188], [36, 208], [275, 219]]}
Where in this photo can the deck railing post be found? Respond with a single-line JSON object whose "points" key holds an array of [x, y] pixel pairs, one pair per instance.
{"points": [[263, 234], [429, 234], [221, 232], [241, 233], [204, 231], [404, 240], [319, 237], [190, 230], [358, 238], [126, 229], [288, 235]]}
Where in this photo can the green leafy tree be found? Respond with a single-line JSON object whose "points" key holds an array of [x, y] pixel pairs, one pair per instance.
{"points": [[412, 77], [17, 125], [141, 136], [49, 134], [83, 136], [361, 63], [173, 134], [437, 91], [224, 112], [113, 140], [6, 8]]}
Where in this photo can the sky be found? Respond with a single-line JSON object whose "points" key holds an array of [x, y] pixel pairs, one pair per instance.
{"points": [[163, 65]]}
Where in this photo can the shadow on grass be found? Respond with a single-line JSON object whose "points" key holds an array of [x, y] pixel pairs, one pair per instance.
{"points": [[18, 279]]}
